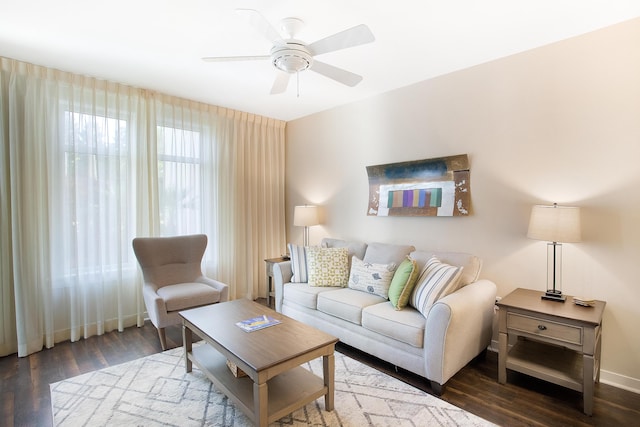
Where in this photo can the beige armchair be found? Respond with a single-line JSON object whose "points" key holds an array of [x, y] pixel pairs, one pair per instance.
{"points": [[173, 279]]}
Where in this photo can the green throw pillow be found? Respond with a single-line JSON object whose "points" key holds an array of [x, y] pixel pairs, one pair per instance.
{"points": [[402, 283]]}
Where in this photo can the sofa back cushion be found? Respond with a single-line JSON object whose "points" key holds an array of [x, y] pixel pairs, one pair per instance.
{"points": [[354, 248], [386, 253], [471, 264]]}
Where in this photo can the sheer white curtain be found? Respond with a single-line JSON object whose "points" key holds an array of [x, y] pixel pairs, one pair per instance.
{"points": [[86, 165]]}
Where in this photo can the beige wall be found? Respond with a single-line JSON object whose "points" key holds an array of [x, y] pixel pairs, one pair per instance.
{"points": [[556, 124]]}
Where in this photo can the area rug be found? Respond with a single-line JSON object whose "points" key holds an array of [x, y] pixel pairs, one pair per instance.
{"points": [[156, 391]]}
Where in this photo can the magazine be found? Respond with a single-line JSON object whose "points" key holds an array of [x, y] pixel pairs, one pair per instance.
{"points": [[255, 323]]}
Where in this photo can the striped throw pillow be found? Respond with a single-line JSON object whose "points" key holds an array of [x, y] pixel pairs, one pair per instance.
{"points": [[298, 263], [436, 281]]}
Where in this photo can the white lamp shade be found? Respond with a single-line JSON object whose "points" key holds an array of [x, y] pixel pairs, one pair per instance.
{"points": [[555, 224], [305, 216]]}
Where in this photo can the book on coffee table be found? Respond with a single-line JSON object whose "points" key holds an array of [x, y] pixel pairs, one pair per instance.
{"points": [[256, 323]]}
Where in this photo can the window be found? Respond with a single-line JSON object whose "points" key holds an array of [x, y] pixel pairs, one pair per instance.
{"points": [[179, 181], [92, 219]]}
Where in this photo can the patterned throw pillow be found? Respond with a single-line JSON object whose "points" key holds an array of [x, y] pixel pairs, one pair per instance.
{"points": [[328, 266], [436, 281], [403, 282], [298, 263], [371, 278]]}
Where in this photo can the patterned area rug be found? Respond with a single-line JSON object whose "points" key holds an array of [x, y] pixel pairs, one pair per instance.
{"points": [[156, 391]]}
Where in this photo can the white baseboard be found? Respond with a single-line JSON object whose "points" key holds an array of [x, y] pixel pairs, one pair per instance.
{"points": [[606, 377], [620, 381]]}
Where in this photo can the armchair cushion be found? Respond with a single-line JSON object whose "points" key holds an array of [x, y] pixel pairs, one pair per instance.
{"points": [[182, 296]]}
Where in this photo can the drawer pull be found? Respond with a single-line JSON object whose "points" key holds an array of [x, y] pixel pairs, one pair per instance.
{"points": [[542, 328]]}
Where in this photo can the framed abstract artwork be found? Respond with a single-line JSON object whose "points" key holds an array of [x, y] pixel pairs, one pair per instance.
{"points": [[430, 187]]}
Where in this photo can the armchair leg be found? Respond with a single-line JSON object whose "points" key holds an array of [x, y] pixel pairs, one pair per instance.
{"points": [[163, 338]]}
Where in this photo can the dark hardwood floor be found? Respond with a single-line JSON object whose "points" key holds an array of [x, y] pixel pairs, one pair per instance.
{"points": [[523, 401]]}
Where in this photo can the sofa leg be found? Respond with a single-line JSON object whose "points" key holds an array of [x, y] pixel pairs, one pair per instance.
{"points": [[163, 338], [438, 389]]}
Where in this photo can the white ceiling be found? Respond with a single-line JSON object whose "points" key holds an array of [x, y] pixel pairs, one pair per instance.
{"points": [[158, 44]]}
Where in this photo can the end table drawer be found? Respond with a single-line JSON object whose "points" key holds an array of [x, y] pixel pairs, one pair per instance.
{"points": [[545, 328]]}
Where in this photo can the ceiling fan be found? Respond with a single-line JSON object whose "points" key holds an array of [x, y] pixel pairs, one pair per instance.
{"points": [[289, 55]]}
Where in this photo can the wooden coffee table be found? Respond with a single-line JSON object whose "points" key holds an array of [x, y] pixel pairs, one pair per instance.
{"points": [[276, 384]]}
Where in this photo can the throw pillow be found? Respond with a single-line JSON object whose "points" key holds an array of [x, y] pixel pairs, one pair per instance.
{"points": [[298, 256], [437, 280], [371, 278], [328, 266], [403, 282]]}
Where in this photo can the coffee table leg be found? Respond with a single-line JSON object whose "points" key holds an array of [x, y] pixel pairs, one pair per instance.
{"points": [[187, 340], [260, 404], [328, 368]]}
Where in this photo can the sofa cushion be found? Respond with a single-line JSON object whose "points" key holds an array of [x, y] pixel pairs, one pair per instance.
{"points": [[406, 326], [436, 281], [385, 253], [355, 248], [298, 263], [403, 282], [328, 266], [471, 264], [303, 294], [370, 277], [346, 304]]}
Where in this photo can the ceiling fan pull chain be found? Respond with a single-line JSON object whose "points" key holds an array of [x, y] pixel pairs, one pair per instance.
{"points": [[298, 82]]}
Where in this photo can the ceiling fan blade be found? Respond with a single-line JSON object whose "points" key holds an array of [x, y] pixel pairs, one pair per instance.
{"points": [[260, 23], [234, 58], [338, 74], [355, 36], [281, 83]]}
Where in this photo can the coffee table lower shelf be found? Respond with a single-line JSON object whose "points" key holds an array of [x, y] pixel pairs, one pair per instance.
{"points": [[287, 392]]}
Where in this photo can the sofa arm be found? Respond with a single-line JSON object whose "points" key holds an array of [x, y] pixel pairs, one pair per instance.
{"points": [[282, 274], [458, 328]]}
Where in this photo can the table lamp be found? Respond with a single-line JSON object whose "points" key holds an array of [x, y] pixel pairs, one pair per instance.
{"points": [[305, 216], [555, 224]]}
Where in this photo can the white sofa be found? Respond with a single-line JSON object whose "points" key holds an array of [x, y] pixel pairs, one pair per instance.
{"points": [[456, 328]]}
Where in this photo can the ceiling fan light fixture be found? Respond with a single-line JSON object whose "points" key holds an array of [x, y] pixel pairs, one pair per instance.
{"points": [[293, 57]]}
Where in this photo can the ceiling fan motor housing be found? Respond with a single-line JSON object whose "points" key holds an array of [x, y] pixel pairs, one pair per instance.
{"points": [[292, 57]]}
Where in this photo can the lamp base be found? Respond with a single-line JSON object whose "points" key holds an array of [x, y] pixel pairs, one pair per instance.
{"points": [[553, 295]]}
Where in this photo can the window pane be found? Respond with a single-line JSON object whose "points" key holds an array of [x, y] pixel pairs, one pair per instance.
{"points": [[93, 204], [179, 181]]}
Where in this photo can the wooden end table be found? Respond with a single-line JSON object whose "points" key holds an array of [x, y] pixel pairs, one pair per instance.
{"points": [[276, 384], [552, 341]]}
